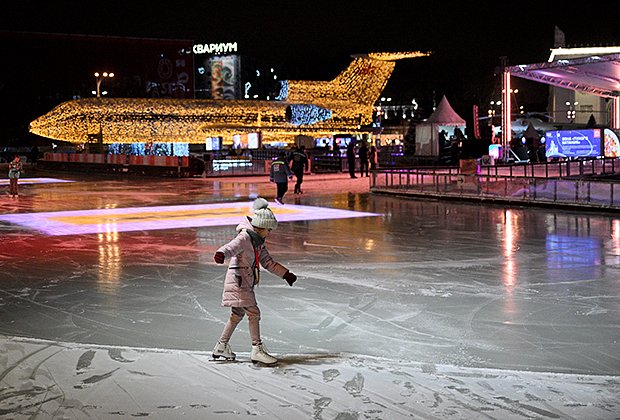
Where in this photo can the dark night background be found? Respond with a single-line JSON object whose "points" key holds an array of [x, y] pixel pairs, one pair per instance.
{"points": [[303, 40]]}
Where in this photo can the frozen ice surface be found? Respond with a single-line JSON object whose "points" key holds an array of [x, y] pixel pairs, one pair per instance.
{"points": [[430, 310]]}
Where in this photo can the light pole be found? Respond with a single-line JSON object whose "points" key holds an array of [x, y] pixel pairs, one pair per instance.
{"points": [[99, 78], [570, 114], [491, 112]]}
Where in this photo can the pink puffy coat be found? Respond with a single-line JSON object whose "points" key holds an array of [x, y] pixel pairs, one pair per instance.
{"points": [[240, 277]]}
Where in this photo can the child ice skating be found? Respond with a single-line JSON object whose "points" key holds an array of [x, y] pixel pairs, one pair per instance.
{"points": [[280, 173], [247, 252]]}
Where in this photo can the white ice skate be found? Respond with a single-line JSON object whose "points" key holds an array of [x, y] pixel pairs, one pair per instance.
{"points": [[259, 355], [223, 350]]}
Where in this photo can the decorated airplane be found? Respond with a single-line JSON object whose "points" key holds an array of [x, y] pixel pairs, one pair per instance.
{"points": [[314, 108]]}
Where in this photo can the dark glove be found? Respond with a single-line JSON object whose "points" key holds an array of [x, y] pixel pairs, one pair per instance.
{"points": [[219, 257], [290, 278]]}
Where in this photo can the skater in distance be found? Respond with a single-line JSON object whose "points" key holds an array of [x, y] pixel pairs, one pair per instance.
{"points": [[280, 173], [247, 252]]}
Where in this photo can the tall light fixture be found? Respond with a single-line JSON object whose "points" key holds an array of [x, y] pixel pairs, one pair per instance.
{"points": [[506, 107], [99, 77]]}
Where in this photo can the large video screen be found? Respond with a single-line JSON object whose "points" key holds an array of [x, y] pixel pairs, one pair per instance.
{"points": [[573, 143], [324, 142], [343, 142], [246, 141]]}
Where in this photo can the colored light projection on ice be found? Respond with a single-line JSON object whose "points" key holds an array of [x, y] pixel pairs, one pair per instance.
{"points": [[79, 222], [35, 181]]}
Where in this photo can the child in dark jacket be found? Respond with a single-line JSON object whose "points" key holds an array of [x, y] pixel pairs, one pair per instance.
{"points": [[280, 174], [246, 251]]}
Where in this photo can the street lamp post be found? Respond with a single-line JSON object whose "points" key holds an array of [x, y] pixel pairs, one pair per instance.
{"points": [[99, 77]]}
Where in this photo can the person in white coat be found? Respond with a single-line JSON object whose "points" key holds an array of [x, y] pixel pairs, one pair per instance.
{"points": [[247, 252]]}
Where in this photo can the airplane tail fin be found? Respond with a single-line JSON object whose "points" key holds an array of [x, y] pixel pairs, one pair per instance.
{"points": [[360, 83]]}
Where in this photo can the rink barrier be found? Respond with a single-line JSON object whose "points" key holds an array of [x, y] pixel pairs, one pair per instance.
{"points": [[542, 190], [181, 166], [176, 166]]}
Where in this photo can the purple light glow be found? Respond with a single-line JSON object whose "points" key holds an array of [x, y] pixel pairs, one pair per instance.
{"points": [[35, 181], [163, 217]]}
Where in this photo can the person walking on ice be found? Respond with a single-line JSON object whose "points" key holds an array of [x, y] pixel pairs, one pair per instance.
{"points": [[299, 165], [15, 171], [280, 173], [247, 252]]}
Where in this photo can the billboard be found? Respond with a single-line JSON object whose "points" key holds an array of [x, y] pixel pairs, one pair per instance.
{"points": [[611, 144], [218, 77], [246, 141], [573, 143]]}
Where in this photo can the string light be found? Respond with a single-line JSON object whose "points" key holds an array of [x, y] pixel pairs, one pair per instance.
{"points": [[340, 105]]}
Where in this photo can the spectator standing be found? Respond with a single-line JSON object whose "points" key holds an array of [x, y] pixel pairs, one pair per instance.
{"points": [[372, 157], [363, 154], [247, 253], [15, 171], [299, 165], [351, 158], [280, 173]]}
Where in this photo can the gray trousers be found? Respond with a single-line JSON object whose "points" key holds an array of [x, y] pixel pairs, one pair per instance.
{"points": [[236, 316]]}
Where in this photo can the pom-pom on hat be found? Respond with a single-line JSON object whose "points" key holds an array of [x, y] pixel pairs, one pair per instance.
{"points": [[263, 216]]}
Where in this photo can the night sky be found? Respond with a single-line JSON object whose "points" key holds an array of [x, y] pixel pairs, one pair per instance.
{"points": [[314, 40]]}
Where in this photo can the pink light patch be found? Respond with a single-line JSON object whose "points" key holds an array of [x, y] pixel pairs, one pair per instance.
{"points": [[35, 181], [79, 222]]}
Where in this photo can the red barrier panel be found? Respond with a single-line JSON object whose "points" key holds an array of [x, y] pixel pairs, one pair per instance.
{"points": [[117, 159], [57, 157], [160, 160]]}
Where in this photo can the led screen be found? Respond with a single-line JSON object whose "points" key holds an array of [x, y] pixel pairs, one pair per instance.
{"points": [[253, 141], [573, 143], [612, 144], [324, 142], [343, 141], [212, 143]]}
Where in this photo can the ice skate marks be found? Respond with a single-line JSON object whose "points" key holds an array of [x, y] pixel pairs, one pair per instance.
{"points": [[163, 217]]}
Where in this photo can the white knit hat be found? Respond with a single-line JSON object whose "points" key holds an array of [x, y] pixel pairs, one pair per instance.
{"points": [[263, 216]]}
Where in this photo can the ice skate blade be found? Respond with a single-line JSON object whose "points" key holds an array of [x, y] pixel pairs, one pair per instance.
{"points": [[226, 359], [259, 363]]}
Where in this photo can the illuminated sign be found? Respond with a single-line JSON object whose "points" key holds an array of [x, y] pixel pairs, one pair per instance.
{"points": [[212, 143], [226, 164], [611, 143], [215, 48], [573, 143], [495, 151]]}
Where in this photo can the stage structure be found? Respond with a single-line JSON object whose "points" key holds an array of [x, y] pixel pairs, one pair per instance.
{"points": [[313, 108], [592, 71]]}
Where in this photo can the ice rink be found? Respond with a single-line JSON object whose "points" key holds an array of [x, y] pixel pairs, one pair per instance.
{"points": [[110, 305]]}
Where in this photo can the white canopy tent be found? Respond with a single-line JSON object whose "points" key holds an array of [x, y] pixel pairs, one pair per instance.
{"points": [[444, 121]]}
